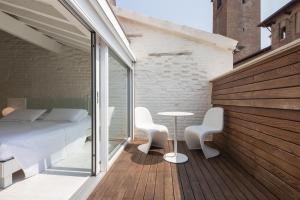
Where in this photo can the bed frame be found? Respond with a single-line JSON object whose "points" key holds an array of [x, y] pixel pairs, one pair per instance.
{"points": [[7, 168]]}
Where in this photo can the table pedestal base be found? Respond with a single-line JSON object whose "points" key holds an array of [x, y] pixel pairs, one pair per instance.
{"points": [[175, 157]]}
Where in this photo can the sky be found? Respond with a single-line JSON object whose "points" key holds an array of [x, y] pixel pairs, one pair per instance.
{"points": [[194, 13]]}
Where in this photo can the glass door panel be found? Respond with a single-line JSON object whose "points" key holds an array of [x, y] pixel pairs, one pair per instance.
{"points": [[118, 115]]}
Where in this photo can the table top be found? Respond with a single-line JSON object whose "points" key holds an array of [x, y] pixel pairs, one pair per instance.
{"points": [[176, 114]]}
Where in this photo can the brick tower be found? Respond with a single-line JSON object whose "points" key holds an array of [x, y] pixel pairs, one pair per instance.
{"points": [[238, 19]]}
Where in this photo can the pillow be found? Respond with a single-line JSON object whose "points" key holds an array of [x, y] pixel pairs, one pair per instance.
{"points": [[24, 115], [64, 114]]}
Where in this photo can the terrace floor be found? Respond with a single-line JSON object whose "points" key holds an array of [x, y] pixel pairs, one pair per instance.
{"points": [[138, 176]]}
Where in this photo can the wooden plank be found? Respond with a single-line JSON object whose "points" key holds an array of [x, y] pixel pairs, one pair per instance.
{"points": [[285, 135], [140, 190], [168, 182], [263, 167], [159, 182], [134, 177], [266, 112], [260, 156], [252, 184], [177, 185], [246, 164], [273, 122], [227, 180], [116, 192], [119, 188], [150, 186], [280, 72], [258, 173], [217, 192], [264, 145], [195, 188], [225, 189], [281, 93], [185, 182], [292, 104], [113, 174], [240, 184], [217, 178], [284, 59], [240, 126], [205, 189], [289, 179], [290, 81]]}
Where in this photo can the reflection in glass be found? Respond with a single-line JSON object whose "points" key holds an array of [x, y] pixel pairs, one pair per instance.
{"points": [[118, 103]]}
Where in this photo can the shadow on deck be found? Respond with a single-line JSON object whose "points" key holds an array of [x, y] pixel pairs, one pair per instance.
{"points": [[138, 176]]}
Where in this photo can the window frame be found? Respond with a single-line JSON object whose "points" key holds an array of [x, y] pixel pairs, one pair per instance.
{"points": [[297, 17], [282, 34], [219, 4]]}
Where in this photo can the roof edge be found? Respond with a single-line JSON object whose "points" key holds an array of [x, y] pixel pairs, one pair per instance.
{"points": [[268, 21], [197, 35]]}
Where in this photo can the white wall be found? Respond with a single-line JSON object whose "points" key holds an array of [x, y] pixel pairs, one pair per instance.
{"points": [[174, 83], [30, 71]]}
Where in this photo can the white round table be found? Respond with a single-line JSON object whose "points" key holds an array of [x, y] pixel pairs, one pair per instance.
{"points": [[175, 157]]}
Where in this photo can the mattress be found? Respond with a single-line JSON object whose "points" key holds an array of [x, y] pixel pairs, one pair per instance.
{"points": [[30, 142]]}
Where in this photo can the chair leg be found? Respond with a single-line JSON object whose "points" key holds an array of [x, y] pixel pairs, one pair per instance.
{"points": [[192, 140], [146, 147], [208, 152]]}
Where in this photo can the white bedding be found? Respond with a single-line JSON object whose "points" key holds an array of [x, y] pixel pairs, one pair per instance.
{"points": [[32, 143]]}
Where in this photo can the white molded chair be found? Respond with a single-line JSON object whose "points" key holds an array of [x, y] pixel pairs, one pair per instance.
{"points": [[195, 136], [157, 134]]}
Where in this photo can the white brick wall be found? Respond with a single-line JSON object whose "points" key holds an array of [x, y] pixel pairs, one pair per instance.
{"points": [[174, 83], [30, 71]]}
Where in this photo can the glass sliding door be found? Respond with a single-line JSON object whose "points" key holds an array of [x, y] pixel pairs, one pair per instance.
{"points": [[118, 111]]}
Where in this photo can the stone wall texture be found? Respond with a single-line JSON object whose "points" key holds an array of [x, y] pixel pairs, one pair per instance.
{"points": [[291, 23], [238, 19], [172, 73]]}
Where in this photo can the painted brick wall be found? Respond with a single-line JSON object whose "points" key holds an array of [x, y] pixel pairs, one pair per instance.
{"points": [[174, 82], [29, 71]]}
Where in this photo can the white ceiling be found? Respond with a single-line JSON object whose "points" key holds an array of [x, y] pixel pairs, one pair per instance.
{"points": [[50, 18]]}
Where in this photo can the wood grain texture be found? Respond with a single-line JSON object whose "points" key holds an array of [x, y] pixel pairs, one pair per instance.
{"points": [[139, 176], [262, 121]]}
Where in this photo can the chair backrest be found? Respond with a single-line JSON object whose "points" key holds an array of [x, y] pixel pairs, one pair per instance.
{"points": [[142, 116], [214, 118]]}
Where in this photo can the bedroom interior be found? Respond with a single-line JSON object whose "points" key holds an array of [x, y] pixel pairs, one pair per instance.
{"points": [[45, 108], [57, 85]]}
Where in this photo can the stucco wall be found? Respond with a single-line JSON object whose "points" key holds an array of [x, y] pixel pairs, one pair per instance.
{"points": [[30, 71], [170, 82]]}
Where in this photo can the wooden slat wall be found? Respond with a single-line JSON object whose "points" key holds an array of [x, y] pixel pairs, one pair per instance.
{"points": [[262, 121]]}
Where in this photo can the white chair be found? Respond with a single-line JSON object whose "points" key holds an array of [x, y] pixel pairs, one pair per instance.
{"points": [[157, 134], [195, 136]]}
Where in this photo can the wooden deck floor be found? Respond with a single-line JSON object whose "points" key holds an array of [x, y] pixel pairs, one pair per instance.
{"points": [[138, 176]]}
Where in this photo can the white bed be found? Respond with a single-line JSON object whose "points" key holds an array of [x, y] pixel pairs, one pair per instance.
{"points": [[34, 146]]}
